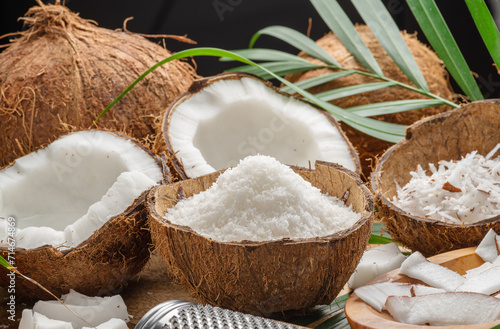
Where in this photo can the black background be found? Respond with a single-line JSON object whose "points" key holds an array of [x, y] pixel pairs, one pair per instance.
{"points": [[230, 24]]}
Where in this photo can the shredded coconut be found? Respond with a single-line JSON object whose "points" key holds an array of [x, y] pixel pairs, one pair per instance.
{"points": [[262, 200], [459, 192]]}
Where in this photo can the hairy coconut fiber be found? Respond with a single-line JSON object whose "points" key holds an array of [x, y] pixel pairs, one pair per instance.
{"points": [[445, 136], [102, 264], [63, 71], [429, 63], [267, 276]]}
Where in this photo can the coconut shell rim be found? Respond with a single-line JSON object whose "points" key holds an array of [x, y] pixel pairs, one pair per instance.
{"points": [[420, 124], [366, 216], [199, 84], [141, 199]]}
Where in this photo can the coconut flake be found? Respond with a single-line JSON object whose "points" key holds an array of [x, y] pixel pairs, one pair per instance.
{"points": [[457, 192], [262, 200]]}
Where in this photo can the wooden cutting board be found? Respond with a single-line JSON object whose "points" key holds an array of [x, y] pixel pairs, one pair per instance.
{"points": [[362, 316]]}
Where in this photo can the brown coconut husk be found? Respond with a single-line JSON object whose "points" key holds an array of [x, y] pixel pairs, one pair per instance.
{"points": [[163, 142], [63, 71], [268, 276], [429, 63], [102, 264], [446, 136]]}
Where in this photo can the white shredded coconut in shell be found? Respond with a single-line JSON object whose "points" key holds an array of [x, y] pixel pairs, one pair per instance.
{"points": [[460, 192], [262, 200]]}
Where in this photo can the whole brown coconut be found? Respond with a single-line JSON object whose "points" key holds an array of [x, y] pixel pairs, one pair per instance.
{"points": [[429, 63], [446, 136], [264, 277], [64, 70]]}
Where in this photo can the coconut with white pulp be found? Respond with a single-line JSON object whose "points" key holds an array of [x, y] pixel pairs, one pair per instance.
{"points": [[228, 117], [82, 192], [263, 237], [262, 200]]}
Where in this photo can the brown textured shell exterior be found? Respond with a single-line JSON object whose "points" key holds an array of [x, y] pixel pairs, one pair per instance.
{"points": [[102, 264], [198, 86], [63, 71], [446, 136], [428, 62], [264, 277]]}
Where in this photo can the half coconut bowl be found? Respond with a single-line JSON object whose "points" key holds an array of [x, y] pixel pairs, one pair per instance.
{"points": [[224, 118], [72, 214], [447, 136], [264, 277]]}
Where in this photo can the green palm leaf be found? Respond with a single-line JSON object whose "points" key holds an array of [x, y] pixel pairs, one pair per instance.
{"points": [[261, 54], [317, 81], [384, 130], [298, 40], [487, 27], [278, 68], [353, 90], [337, 20], [437, 32], [378, 18], [390, 107]]}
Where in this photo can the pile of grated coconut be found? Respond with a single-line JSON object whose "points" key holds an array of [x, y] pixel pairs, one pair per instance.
{"points": [[459, 192], [262, 200]]}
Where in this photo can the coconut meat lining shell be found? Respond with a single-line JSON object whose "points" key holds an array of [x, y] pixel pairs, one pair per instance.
{"points": [[233, 118], [61, 194]]}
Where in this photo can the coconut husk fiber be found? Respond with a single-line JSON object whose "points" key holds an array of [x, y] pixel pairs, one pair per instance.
{"points": [[429, 63], [63, 71], [445, 136], [269, 276]]}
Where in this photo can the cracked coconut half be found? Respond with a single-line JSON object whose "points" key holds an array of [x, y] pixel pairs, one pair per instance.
{"points": [[225, 118], [72, 213]]}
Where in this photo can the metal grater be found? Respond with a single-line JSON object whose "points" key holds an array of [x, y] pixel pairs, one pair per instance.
{"points": [[177, 314]]}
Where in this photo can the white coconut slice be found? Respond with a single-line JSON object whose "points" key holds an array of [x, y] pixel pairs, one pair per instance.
{"points": [[225, 118], [376, 294], [76, 201], [95, 310], [450, 308], [488, 249], [418, 267], [33, 320], [376, 261], [486, 282]]}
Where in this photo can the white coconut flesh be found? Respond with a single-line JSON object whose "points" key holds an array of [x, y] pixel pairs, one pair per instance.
{"points": [[375, 262], [109, 312], [61, 194], [234, 118]]}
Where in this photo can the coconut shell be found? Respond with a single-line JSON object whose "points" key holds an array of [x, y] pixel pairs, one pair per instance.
{"points": [[63, 71], [429, 63], [445, 136], [102, 264], [267, 276], [164, 144]]}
